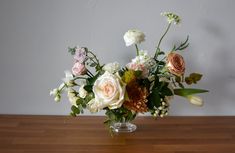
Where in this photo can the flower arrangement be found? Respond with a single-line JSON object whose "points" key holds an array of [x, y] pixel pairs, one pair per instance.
{"points": [[146, 84]]}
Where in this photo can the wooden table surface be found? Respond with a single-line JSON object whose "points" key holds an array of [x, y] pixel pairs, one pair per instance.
{"points": [[61, 134]]}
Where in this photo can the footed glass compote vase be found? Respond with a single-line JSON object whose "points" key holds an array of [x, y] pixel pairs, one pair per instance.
{"points": [[123, 127]]}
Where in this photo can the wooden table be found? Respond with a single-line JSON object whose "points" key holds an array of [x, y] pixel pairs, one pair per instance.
{"points": [[60, 134]]}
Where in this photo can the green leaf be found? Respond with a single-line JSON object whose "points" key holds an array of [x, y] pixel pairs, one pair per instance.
{"points": [[161, 53], [182, 46], [88, 88], [193, 78], [138, 73], [79, 101], [154, 99], [188, 80], [72, 50], [75, 110], [73, 114], [161, 63], [177, 79], [93, 64], [188, 91], [93, 79], [166, 91], [180, 85], [196, 76]]}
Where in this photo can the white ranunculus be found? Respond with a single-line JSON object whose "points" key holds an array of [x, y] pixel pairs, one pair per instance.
{"points": [[112, 67], [195, 100], [82, 92], [133, 36], [109, 92]]}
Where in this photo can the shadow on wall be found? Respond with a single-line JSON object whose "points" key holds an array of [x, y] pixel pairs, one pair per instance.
{"points": [[219, 66]]}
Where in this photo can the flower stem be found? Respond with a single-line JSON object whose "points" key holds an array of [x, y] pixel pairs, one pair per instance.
{"points": [[137, 50], [90, 74], [158, 46], [97, 61]]}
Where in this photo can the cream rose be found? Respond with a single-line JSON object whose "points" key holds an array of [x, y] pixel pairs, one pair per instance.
{"points": [[133, 36], [175, 64], [109, 92]]}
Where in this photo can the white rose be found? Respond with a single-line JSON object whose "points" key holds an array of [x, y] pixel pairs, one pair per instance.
{"points": [[109, 92], [133, 36], [112, 67], [82, 92]]}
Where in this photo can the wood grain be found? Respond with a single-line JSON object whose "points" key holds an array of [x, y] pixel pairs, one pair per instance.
{"points": [[61, 134]]}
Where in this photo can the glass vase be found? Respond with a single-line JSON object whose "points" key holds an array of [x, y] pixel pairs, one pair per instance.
{"points": [[123, 127]]}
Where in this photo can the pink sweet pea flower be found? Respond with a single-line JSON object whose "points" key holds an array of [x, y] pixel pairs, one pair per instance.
{"points": [[80, 55], [79, 69]]}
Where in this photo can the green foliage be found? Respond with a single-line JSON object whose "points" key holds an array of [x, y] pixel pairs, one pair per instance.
{"points": [[188, 91], [154, 99], [179, 81], [93, 64], [88, 88], [75, 110], [161, 53], [72, 50], [193, 78], [138, 73], [182, 45], [119, 115]]}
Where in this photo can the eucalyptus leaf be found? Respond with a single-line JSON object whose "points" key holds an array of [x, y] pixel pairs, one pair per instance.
{"points": [[75, 109]]}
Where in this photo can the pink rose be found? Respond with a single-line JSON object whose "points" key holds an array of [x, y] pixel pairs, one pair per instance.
{"points": [[175, 64], [79, 69]]}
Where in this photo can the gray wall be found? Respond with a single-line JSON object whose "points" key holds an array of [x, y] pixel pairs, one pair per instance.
{"points": [[34, 36]]}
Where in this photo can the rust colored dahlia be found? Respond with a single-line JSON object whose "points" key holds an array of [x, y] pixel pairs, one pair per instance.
{"points": [[137, 97]]}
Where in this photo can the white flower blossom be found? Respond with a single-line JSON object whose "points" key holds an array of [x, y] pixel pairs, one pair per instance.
{"points": [[82, 92], [133, 36], [72, 96], [171, 17], [112, 67]]}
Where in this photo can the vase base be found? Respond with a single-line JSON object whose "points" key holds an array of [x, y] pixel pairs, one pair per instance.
{"points": [[123, 127]]}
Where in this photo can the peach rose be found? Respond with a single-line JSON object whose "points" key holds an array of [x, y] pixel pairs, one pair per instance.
{"points": [[79, 69], [175, 64]]}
